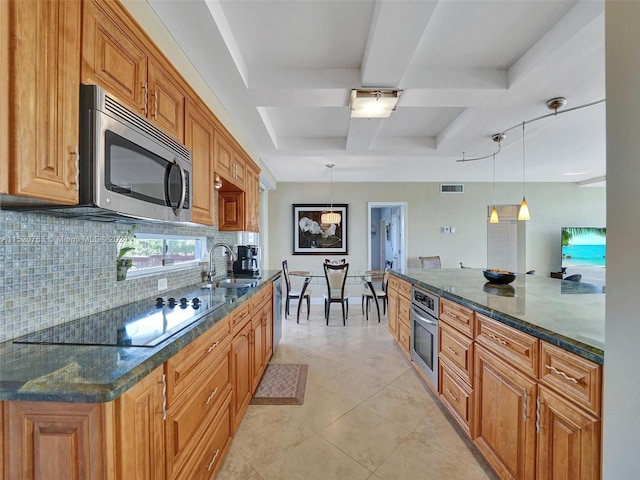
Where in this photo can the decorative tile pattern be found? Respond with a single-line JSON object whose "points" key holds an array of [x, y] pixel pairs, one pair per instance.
{"points": [[55, 269]]}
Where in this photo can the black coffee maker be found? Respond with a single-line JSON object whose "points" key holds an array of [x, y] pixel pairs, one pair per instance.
{"points": [[246, 264]]}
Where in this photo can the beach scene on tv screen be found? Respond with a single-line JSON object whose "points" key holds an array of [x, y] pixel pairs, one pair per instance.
{"points": [[584, 252]]}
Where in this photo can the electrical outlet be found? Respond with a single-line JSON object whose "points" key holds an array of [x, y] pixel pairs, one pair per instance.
{"points": [[162, 284]]}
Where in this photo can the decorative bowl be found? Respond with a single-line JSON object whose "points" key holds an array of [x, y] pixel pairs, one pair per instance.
{"points": [[502, 277]]}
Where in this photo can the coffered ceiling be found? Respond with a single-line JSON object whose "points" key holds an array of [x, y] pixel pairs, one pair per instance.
{"points": [[284, 70]]}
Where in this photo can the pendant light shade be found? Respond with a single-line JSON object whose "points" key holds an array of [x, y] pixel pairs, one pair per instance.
{"points": [[494, 216], [523, 213], [331, 216]]}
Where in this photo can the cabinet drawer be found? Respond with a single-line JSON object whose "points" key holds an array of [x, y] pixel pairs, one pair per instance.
{"points": [[404, 337], [404, 311], [575, 377], [456, 396], [513, 345], [183, 367], [189, 416], [458, 316], [458, 350], [239, 318], [258, 300], [208, 455], [393, 283], [404, 289]]}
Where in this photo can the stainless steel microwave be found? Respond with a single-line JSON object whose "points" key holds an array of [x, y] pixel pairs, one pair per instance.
{"points": [[128, 167]]}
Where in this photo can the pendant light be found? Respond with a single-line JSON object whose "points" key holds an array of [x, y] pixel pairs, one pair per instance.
{"points": [[331, 216], [523, 213], [494, 212]]}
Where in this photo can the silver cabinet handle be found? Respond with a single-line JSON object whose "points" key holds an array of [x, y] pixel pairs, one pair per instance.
{"points": [[561, 373], [155, 105], [497, 339], [211, 396], [75, 180], [209, 350], [213, 460], [452, 395], [145, 100], [524, 408], [451, 350], [164, 397], [538, 426]]}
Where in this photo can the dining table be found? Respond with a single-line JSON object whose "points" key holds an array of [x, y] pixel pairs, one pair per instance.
{"points": [[365, 277]]}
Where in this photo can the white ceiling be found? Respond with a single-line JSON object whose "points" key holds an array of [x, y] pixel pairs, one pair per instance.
{"points": [[284, 69]]}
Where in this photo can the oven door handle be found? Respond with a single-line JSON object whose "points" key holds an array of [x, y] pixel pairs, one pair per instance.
{"points": [[416, 312]]}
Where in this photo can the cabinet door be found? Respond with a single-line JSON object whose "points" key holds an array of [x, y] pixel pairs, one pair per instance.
{"points": [[239, 169], [241, 374], [199, 139], [54, 440], [257, 354], [267, 319], [230, 211], [252, 189], [5, 68], [166, 102], [504, 416], [223, 156], [112, 58], [140, 429], [45, 63], [392, 313], [568, 440]]}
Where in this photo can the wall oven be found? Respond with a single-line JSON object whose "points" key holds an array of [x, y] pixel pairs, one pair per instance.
{"points": [[424, 333]]}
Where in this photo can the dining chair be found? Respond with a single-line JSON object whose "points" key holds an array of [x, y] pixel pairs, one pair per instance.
{"points": [[370, 293], [303, 292], [336, 277], [342, 261], [293, 294], [430, 262]]}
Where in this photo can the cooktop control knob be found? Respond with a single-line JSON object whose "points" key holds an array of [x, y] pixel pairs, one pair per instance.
{"points": [[183, 302], [159, 302], [196, 302], [172, 302]]}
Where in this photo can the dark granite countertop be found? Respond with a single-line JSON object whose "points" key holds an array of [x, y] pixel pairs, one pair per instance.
{"points": [[567, 314], [91, 374]]}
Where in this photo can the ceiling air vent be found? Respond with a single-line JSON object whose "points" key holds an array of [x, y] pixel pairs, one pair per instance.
{"points": [[451, 188]]}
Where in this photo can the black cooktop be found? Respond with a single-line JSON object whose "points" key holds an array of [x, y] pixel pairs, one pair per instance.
{"points": [[146, 323]]}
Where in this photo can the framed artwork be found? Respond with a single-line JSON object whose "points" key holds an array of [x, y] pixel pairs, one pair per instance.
{"points": [[312, 237]]}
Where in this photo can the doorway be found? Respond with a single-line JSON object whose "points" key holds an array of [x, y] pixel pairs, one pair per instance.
{"points": [[387, 238]]}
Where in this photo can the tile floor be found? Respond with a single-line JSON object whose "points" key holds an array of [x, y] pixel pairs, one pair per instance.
{"points": [[366, 415]]}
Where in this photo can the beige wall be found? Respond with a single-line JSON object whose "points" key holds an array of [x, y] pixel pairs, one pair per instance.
{"points": [[552, 206]]}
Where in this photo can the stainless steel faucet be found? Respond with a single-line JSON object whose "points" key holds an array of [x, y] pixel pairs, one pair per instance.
{"points": [[212, 266]]}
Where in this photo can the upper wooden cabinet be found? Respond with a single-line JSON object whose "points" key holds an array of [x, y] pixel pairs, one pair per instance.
{"points": [[116, 57], [44, 60], [199, 138], [252, 199]]}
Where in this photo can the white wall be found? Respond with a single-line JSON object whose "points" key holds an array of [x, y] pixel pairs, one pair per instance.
{"points": [[552, 206], [622, 332]]}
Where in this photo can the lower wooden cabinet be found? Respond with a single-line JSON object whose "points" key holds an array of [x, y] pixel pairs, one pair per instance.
{"points": [[505, 414], [241, 374], [139, 425], [55, 440], [568, 440]]}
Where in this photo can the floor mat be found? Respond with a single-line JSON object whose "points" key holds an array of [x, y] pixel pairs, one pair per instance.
{"points": [[282, 384]]}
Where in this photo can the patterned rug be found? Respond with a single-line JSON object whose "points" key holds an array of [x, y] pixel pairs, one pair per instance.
{"points": [[282, 384]]}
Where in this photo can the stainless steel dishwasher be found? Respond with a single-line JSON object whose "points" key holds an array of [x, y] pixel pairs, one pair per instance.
{"points": [[277, 311]]}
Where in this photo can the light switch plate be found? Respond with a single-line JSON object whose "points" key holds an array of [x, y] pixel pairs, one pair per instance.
{"points": [[162, 284]]}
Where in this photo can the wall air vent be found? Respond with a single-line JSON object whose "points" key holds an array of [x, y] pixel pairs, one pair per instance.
{"points": [[451, 188]]}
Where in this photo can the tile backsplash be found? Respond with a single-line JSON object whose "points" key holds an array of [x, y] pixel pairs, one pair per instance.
{"points": [[55, 270]]}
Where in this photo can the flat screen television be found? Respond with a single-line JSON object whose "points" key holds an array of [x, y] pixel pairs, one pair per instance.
{"points": [[584, 252]]}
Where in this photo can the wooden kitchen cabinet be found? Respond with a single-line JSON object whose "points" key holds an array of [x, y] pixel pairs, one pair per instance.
{"points": [[199, 138], [231, 215], [392, 312], [241, 373], [43, 57], [505, 416], [117, 56], [252, 198], [257, 341], [569, 442], [140, 422], [55, 440]]}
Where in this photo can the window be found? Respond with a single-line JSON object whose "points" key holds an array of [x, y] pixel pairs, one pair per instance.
{"points": [[157, 252]]}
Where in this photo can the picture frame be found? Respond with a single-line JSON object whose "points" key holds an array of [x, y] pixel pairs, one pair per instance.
{"points": [[312, 237]]}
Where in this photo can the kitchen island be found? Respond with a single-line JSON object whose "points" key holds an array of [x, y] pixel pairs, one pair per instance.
{"points": [[566, 314]]}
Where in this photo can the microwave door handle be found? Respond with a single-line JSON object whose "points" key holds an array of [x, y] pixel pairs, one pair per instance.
{"points": [[183, 195]]}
